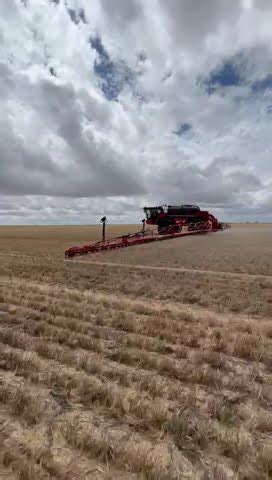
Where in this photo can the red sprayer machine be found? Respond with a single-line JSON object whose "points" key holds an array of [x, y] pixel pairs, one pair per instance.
{"points": [[171, 221]]}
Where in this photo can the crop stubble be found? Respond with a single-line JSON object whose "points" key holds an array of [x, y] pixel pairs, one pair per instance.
{"points": [[112, 372]]}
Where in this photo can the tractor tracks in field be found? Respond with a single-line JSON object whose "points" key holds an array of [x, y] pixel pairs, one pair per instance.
{"points": [[16, 255], [218, 273], [174, 269]]}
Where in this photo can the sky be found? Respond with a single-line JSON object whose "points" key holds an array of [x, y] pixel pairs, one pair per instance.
{"points": [[107, 106]]}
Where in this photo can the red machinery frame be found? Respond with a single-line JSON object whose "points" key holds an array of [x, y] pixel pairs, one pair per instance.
{"points": [[142, 237]]}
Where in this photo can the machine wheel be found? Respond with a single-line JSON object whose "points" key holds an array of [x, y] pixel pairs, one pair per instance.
{"points": [[163, 227]]}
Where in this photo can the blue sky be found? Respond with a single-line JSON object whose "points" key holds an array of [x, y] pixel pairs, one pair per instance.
{"points": [[112, 76], [182, 129], [225, 75]]}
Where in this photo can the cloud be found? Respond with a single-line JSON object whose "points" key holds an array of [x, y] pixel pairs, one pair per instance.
{"points": [[262, 85], [108, 106], [194, 22], [69, 160]]}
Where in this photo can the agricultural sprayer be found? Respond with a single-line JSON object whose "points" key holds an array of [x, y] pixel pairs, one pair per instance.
{"points": [[171, 221]]}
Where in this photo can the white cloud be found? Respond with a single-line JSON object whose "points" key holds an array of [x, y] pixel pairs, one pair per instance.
{"points": [[70, 151]]}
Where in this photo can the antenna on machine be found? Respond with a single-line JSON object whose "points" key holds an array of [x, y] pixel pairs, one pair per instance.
{"points": [[143, 222], [103, 221]]}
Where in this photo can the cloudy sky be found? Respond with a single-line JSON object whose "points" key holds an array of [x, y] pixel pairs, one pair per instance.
{"points": [[107, 105]]}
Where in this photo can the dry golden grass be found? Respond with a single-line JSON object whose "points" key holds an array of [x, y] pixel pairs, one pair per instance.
{"points": [[51, 241], [111, 372]]}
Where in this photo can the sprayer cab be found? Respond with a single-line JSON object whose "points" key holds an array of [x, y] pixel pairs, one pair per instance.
{"points": [[178, 216]]}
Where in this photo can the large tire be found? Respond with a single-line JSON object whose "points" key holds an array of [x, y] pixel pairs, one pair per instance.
{"points": [[163, 225]]}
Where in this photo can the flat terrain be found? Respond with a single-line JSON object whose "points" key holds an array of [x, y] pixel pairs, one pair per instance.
{"points": [[244, 248], [113, 370]]}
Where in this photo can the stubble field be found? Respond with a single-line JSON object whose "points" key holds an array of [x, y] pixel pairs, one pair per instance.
{"points": [[150, 363]]}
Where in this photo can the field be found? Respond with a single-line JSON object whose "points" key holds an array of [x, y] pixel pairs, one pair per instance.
{"points": [[153, 362]]}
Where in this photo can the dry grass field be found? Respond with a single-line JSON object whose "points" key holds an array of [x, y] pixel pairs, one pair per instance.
{"points": [[113, 370]]}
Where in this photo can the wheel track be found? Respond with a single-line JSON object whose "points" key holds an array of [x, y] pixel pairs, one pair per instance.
{"points": [[173, 269], [219, 273]]}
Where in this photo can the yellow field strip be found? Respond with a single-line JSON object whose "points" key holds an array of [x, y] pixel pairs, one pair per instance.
{"points": [[173, 269], [153, 267], [17, 255]]}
